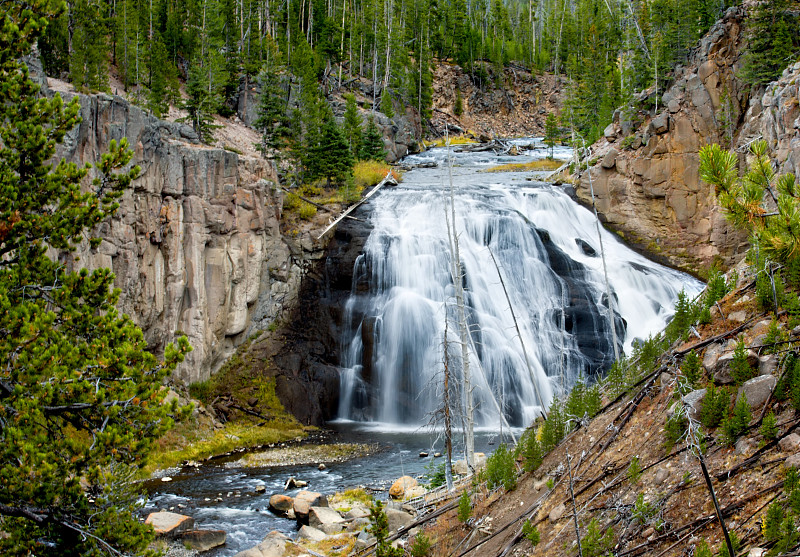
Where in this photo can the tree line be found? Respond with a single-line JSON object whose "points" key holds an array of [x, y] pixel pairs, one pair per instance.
{"points": [[609, 49]]}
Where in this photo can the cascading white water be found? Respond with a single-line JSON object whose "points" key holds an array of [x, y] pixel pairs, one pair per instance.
{"points": [[548, 252]]}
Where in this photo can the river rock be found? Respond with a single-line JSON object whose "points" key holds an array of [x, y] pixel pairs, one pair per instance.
{"points": [[415, 492], [365, 539], [167, 524], [317, 516], [273, 545], [460, 466], [399, 487], [757, 390], [303, 502], [358, 524], [281, 504], [357, 511], [310, 533], [203, 540], [398, 519]]}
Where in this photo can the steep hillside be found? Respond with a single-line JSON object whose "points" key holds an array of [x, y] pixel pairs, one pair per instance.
{"points": [[631, 486]]}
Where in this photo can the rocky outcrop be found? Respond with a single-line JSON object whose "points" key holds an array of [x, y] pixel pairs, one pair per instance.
{"points": [[646, 181], [195, 246]]}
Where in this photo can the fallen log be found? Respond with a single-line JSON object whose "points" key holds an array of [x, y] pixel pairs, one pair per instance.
{"points": [[389, 179]]}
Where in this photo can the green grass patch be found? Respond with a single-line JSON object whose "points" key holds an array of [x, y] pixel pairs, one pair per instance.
{"points": [[533, 166], [454, 140], [187, 441]]}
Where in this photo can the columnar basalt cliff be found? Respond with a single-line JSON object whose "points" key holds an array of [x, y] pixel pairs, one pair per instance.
{"points": [[646, 177], [195, 246]]}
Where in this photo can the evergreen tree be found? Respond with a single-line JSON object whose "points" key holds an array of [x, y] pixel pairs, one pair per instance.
{"points": [[352, 125], [332, 158], [88, 61], [80, 397], [372, 144], [773, 41], [272, 107], [551, 133]]}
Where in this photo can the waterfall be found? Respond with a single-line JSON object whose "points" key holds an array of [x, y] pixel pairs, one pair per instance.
{"points": [[547, 248]]}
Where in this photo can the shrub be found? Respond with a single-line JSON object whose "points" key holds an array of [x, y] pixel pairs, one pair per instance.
{"points": [[201, 390], [738, 422], [685, 315], [741, 370], [674, 429], [554, 427], [643, 512], [583, 401], [501, 469], [464, 506], [735, 542], [530, 450], [634, 470], [436, 474], [420, 545], [769, 427], [773, 520], [595, 544], [715, 406], [379, 526], [615, 382], [691, 369], [306, 211], [702, 550], [788, 536], [530, 532]]}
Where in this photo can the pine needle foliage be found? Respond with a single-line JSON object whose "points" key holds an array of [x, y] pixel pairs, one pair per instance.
{"points": [[464, 506], [80, 396], [762, 203], [715, 406]]}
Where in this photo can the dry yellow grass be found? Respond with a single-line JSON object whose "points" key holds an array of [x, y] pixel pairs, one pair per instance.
{"points": [[533, 166], [454, 140], [369, 173]]}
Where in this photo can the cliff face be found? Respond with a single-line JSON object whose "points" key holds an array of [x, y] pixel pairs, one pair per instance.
{"points": [[646, 180], [195, 246]]}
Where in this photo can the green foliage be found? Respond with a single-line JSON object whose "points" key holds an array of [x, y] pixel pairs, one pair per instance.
{"points": [[530, 532], [458, 108], [740, 368], [330, 156], [435, 474], [554, 427], [702, 550], [788, 536], [645, 512], [634, 470], [583, 401], [769, 427], [80, 396], [379, 527], [686, 314], [420, 545], [735, 542], [596, 543], [691, 369], [501, 469], [272, 118], [715, 406], [551, 132], [372, 144], [352, 125], [772, 41], [530, 449], [616, 380], [743, 198], [550, 484], [773, 522], [464, 506], [674, 429], [737, 423]]}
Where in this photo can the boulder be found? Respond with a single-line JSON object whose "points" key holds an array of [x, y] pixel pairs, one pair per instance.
{"points": [[280, 504], [358, 524], [793, 460], [398, 519], [609, 160], [332, 528], [661, 122], [768, 365], [662, 474], [722, 370], [414, 492], [790, 443], [757, 390], [364, 539], [610, 133], [273, 545], [318, 516], [694, 402], [303, 502], [460, 466], [357, 511], [744, 446], [310, 533], [399, 487], [167, 524], [711, 356], [203, 540], [557, 512]]}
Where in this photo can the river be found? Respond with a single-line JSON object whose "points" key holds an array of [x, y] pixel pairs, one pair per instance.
{"points": [[548, 253]]}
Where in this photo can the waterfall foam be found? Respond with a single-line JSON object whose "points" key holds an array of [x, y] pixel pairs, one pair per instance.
{"points": [[548, 252]]}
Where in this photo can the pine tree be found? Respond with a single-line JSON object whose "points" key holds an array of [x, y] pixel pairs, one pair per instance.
{"points": [[272, 119], [80, 397], [772, 41], [352, 125], [551, 133], [332, 157], [372, 144]]}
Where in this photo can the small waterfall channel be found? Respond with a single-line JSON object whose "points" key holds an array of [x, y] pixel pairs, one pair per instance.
{"points": [[401, 310]]}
